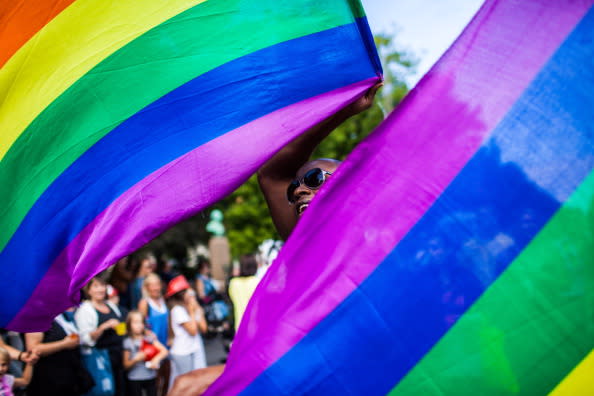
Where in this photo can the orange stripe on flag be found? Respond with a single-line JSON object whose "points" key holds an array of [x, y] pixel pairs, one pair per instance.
{"points": [[21, 19]]}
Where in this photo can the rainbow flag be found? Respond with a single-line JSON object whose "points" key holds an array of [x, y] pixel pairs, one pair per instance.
{"points": [[452, 253], [120, 119]]}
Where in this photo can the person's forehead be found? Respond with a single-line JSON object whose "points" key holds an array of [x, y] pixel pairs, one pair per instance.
{"points": [[329, 166]]}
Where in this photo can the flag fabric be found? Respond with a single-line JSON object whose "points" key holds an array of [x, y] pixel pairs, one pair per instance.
{"points": [[452, 252], [120, 119]]}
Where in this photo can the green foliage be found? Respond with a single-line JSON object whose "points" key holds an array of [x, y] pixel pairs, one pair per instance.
{"points": [[174, 242], [397, 65], [247, 219]]}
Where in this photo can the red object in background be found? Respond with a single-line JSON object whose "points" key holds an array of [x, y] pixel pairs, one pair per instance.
{"points": [[150, 351], [176, 285]]}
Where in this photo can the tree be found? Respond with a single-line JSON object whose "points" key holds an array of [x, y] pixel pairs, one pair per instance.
{"points": [[174, 242]]}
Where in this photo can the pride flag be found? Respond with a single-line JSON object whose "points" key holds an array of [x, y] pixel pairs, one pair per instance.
{"points": [[119, 119], [452, 253]]}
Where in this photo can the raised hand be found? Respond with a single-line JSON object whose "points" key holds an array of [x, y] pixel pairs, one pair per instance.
{"points": [[364, 102]]}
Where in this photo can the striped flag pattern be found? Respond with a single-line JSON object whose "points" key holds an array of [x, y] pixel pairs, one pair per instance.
{"points": [[452, 252], [120, 119]]}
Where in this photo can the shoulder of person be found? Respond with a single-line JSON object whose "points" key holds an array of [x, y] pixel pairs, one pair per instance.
{"points": [[179, 314], [128, 343], [8, 379], [85, 308], [86, 304], [150, 338]]}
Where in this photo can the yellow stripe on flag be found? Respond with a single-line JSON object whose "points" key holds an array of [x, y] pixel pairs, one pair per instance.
{"points": [[580, 381]]}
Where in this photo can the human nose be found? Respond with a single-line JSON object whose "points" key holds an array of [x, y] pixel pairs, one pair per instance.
{"points": [[301, 190]]}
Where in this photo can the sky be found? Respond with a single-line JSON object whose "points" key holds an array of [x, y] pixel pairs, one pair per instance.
{"points": [[426, 27]]}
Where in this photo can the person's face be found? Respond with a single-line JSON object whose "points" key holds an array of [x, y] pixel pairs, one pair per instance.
{"points": [[136, 325], [153, 287], [123, 262], [302, 195], [205, 270], [146, 267], [189, 296], [97, 291], [3, 366]]}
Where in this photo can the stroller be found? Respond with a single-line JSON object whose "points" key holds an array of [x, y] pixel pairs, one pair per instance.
{"points": [[216, 312], [216, 309]]}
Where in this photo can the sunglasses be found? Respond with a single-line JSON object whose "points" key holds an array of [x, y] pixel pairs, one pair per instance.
{"points": [[312, 179]]}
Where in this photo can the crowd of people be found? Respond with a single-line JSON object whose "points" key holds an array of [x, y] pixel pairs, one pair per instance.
{"points": [[135, 331]]}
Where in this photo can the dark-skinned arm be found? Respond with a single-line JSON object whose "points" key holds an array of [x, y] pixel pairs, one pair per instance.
{"points": [[276, 174]]}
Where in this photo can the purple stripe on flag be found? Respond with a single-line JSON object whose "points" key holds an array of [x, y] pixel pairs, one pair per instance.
{"points": [[192, 182], [413, 157]]}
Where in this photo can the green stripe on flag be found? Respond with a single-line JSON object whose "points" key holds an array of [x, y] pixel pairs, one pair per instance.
{"points": [[532, 326]]}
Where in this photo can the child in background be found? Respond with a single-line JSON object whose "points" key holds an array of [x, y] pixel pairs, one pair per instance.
{"points": [[186, 319], [143, 354], [7, 381]]}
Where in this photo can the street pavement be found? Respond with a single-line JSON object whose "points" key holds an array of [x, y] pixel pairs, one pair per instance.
{"points": [[215, 350]]}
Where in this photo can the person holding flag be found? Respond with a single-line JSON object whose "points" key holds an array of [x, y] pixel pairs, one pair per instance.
{"points": [[289, 182]]}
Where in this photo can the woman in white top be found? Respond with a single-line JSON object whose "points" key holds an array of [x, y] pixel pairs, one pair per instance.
{"points": [[97, 320], [186, 319]]}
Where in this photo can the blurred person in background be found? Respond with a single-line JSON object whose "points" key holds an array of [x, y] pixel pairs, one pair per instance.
{"points": [[169, 270], [145, 267], [143, 354], [9, 382], [153, 306], [97, 320], [154, 309], [206, 287], [242, 287], [216, 310], [186, 322], [120, 276], [17, 354], [60, 370]]}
